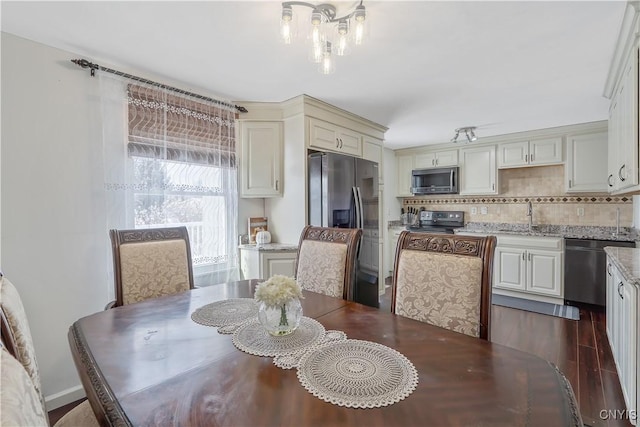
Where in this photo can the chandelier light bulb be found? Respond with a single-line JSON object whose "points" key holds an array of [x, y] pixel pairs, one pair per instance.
{"points": [[285, 24], [342, 39], [327, 65], [359, 17]]}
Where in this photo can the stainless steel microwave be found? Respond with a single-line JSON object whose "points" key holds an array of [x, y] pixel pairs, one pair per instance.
{"points": [[435, 181]]}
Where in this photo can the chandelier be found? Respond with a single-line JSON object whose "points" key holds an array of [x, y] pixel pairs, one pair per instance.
{"points": [[468, 132], [328, 36]]}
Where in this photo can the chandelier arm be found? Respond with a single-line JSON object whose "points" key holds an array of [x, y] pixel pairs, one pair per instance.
{"points": [[327, 10]]}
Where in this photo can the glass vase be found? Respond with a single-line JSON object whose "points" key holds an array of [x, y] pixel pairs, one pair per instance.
{"points": [[280, 320]]}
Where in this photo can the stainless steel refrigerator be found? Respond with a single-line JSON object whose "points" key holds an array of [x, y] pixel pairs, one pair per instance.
{"points": [[343, 192]]}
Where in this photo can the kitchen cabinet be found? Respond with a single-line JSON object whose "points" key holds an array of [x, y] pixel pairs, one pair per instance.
{"points": [[436, 159], [261, 159], [622, 332], [586, 168], [623, 129], [369, 250], [529, 267], [330, 137], [256, 263], [478, 173], [394, 236], [537, 152], [404, 165]]}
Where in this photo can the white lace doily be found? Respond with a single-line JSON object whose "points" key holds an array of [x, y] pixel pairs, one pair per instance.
{"points": [[251, 337], [226, 314], [357, 374], [291, 360]]}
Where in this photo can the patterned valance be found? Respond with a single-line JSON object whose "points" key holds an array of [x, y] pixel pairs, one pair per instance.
{"points": [[164, 125]]}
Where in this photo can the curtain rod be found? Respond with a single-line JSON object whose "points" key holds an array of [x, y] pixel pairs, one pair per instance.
{"points": [[86, 64]]}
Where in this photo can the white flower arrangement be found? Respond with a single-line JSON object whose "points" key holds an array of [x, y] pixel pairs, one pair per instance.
{"points": [[278, 290]]}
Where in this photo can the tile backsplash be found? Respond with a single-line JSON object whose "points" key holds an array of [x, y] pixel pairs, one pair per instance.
{"points": [[544, 186]]}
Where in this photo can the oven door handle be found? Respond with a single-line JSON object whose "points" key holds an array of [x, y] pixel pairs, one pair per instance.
{"points": [[451, 178]]}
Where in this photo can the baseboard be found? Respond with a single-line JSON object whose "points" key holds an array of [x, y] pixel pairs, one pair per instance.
{"points": [[64, 397]]}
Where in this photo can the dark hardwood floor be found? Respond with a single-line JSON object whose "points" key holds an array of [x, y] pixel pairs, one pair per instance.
{"points": [[579, 348]]}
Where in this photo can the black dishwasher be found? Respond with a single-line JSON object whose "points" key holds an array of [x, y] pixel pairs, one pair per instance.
{"points": [[585, 270]]}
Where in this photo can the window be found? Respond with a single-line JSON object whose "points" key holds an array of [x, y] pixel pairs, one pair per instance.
{"points": [[181, 163]]}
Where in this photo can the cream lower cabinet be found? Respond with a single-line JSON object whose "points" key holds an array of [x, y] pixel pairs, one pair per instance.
{"points": [[529, 267], [369, 250], [622, 331], [262, 264]]}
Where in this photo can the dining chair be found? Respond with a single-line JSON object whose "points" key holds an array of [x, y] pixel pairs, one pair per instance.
{"points": [[326, 260], [17, 343], [444, 280], [150, 263]]}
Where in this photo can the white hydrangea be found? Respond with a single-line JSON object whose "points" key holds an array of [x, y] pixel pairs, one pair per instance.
{"points": [[278, 290]]}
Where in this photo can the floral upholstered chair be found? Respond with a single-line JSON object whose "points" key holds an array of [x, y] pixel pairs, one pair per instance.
{"points": [[18, 354], [150, 263], [445, 280], [326, 260]]}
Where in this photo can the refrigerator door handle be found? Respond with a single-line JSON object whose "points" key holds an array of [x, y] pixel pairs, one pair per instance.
{"points": [[361, 213], [356, 206]]}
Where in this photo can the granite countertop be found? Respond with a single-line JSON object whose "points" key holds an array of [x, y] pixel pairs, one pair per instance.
{"points": [[628, 262], [567, 231], [284, 247]]}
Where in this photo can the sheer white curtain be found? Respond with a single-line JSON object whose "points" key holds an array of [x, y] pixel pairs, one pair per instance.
{"points": [[170, 160]]}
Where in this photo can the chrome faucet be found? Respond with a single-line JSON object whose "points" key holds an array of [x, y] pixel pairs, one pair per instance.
{"points": [[530, 214]]}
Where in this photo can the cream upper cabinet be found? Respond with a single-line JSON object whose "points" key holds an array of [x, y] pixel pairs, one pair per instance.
{"points": [[623, 130], [436, 159], [404, 165], [261, 158], [586, 167], [537, 152], [327, 136], [478, 173]]}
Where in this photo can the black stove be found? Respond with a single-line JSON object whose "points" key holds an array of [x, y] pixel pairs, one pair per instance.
{"points": [[439, 221]]}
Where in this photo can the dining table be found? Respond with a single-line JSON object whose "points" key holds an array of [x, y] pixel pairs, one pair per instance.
{"points": [[151, 364]]}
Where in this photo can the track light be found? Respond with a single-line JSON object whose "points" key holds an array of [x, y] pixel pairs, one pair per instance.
{"points": [[468, 133]]}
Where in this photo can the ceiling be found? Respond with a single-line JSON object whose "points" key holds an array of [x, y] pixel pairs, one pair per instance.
{"points": [[425, 69]]}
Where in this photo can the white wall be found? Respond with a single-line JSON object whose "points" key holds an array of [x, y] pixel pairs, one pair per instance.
{"points": [[54, 240], [391, 204]]}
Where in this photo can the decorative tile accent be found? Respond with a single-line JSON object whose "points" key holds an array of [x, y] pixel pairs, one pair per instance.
{"points": [[544, 188]]}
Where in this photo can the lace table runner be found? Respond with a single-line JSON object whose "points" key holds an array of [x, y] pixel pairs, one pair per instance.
{"points": [[251, 337], [357, 374], [227, 315]]}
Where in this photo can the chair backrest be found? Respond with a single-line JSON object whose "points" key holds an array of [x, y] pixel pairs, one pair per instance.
{"points": [[16, 334], [445, 280], [326, 260], [150, 263], [19, 400]]}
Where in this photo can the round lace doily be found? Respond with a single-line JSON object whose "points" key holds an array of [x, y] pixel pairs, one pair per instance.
{"points": [[226, 312], [357, 374], [253, 338]]}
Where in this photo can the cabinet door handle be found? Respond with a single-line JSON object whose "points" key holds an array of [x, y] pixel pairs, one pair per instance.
{"points": [[524, 254], [609, 269], [526, 158], [620, 172], [493, 187], [276, 185], [436, 162], [531, 158], [619, 293], [337, 142], [529, 256], [341, 143], [609, 180]]}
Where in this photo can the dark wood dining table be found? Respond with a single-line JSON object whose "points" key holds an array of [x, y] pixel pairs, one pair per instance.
{"points": [[150, 364]]}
